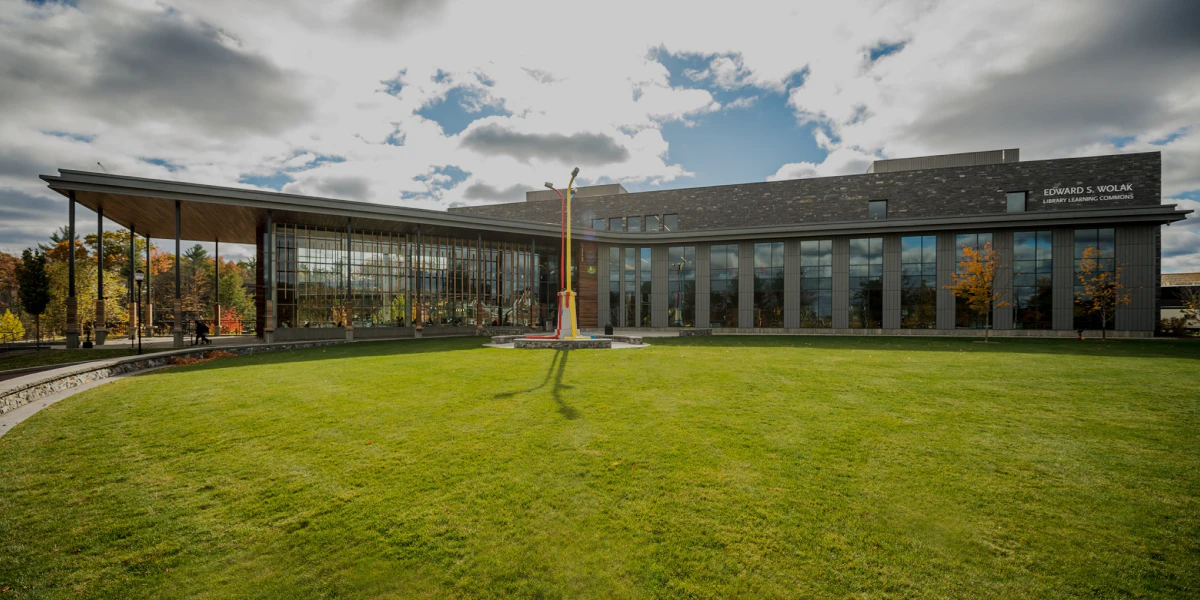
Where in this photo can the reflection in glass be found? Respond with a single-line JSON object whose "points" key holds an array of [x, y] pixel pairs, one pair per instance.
{"points": [[614, 286], [918, 282], [723, 285], [768, 284], [866, 282], [670, 222], [644, 267], [681, 286], [1032, 289], [816, 283]]}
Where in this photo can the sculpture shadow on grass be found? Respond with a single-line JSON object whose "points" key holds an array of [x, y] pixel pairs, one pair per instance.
{"points": [[557, 369]]}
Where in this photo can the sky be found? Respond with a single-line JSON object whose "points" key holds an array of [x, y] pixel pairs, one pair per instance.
{"points": [[438, 103]]}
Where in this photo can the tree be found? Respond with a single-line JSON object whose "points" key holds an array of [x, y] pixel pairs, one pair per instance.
{"points": [[1102, 289], [9, 265], [10, 327], [34, 287], [975, 282]]}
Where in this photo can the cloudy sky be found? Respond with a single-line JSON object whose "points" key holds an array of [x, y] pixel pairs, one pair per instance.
{"points": [[432, 103]]}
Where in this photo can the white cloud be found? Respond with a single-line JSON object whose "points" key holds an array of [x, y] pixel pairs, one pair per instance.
{"points": [[275, 85]]}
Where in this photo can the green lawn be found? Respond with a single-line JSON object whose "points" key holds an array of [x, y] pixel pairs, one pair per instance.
{"points": [[719, 467], [21, 359]]}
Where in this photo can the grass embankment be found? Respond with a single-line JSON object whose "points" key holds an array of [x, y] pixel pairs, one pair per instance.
{"points": [[719, 467]]}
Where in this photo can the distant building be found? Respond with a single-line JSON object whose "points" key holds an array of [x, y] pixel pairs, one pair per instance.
{"points": [[1174, 287]]}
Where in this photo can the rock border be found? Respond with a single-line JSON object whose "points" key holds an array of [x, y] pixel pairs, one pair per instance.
{"points": [[20, 391]]}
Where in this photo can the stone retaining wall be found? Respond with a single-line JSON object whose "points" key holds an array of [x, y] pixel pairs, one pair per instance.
{"points": [[16, 393]]}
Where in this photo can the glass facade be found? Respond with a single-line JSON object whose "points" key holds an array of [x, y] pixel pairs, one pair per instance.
{"points": [[614, 286], [768, 284], [644, 267], [1104, 241], [918, 282], [1033, 262], [681, 286], [723, 285], [963, 315], [866, 282], [399, 280], [816, 283], [630, 293]]}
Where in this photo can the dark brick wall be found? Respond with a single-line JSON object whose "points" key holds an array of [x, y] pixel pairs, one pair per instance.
{"points": [[953, 191]]}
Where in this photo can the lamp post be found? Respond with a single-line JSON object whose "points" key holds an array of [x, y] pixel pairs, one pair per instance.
{"points": [[138, 276]]}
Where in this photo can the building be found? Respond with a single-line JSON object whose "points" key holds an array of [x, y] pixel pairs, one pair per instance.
{"points": [[855, 254], [1177, 288]]}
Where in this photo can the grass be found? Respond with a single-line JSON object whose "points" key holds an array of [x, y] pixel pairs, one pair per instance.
{"points": [[21, 359], [718, 467]]}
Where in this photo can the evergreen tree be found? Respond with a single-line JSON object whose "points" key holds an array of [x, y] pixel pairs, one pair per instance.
{"points": [[34, 287]]}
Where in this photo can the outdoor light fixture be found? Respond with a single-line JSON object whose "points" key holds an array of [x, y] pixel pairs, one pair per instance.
{"points": [[549, 185], [138, 276]]}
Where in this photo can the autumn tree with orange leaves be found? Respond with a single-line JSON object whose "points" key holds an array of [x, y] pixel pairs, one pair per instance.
{"points": [[975, 282], [1102, 290]]}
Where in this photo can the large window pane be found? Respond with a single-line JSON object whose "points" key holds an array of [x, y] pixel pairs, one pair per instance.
{"points": [[1032, 289], [670, 222], [644, 267], [816, 283], [768, 284], [918, 282], [963, 315], [1104, 241], [614, 286], [681, 286], [866, 282], [723, 285]]}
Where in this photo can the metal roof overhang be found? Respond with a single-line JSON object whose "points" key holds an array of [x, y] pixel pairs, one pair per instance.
{"points": [[233, 214]]}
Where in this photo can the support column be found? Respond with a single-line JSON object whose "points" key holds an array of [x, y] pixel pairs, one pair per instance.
{"points": [[100, 323], [133, 316], [349, 288], [177, 305], [147, 306], [72, 303], [217, 287]]}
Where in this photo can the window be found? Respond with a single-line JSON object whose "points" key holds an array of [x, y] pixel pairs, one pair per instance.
{"points": [[614, 286], [768, 284], [653, 223], [1016, 202], [918, 282], [1103, 241], [633, 224], [670, 222], [616, 224], [644, 266], [598, 224], [1032, 289], [866, 282], [681, 286], [963, 315], [723, 285], [816, 283], [877, 209], [631, 290]]}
